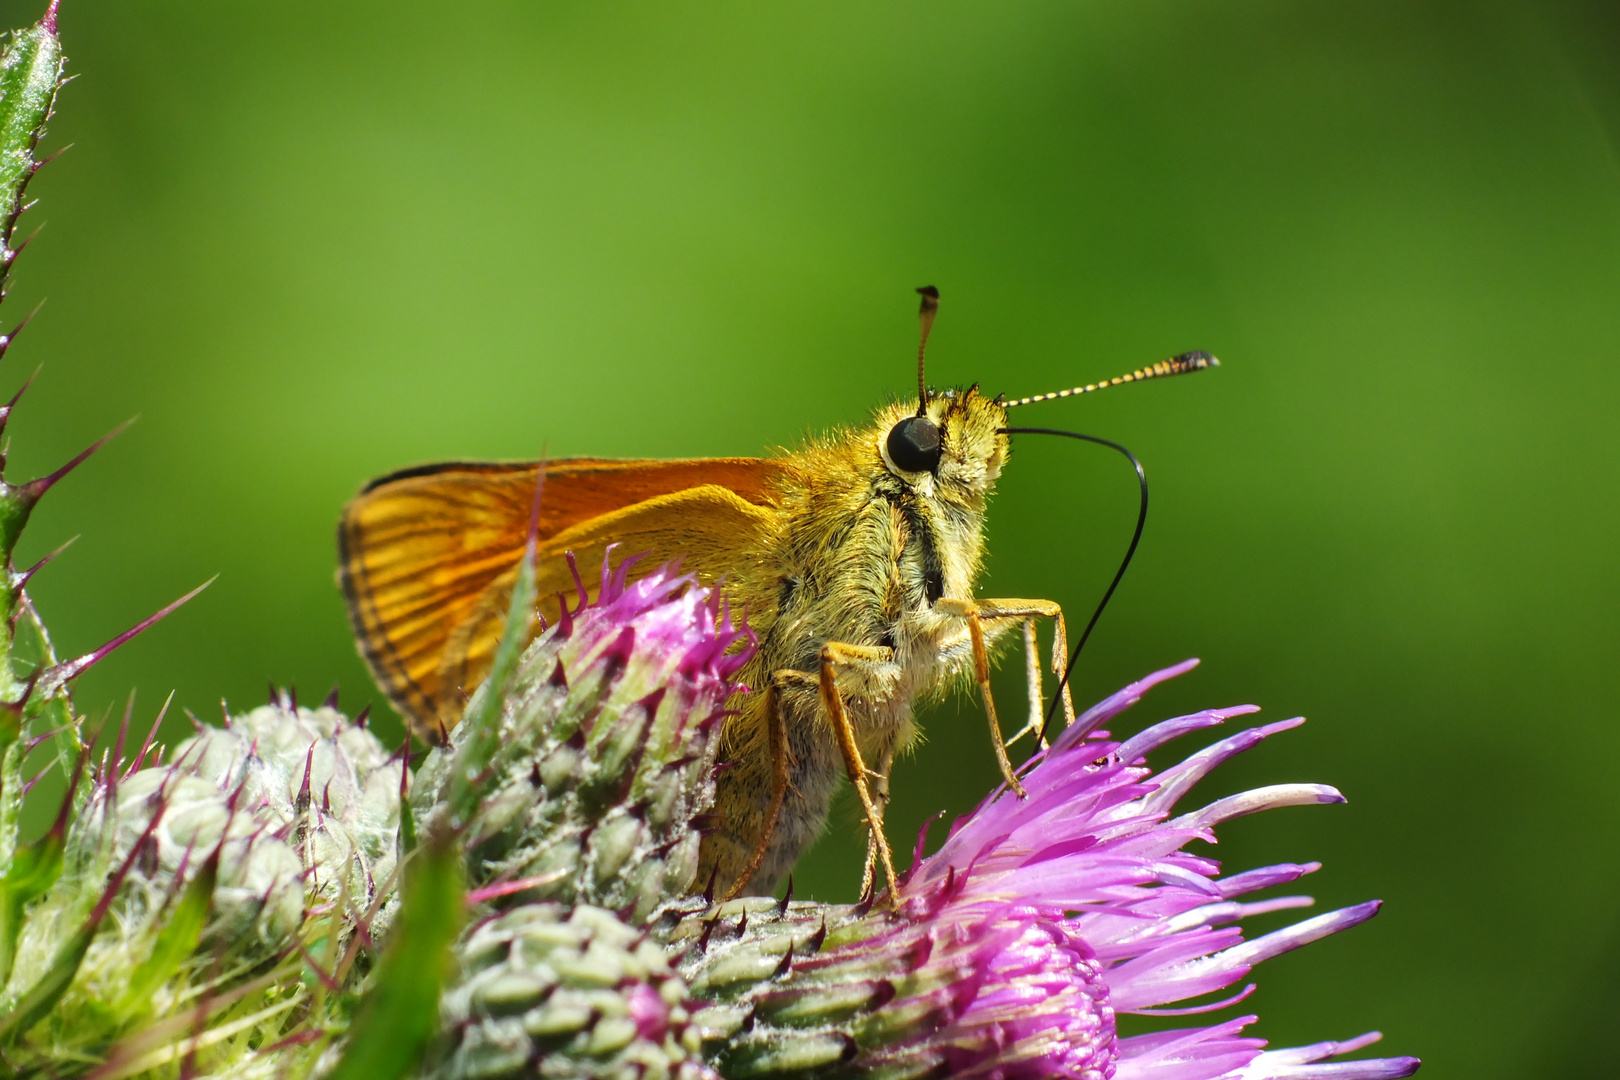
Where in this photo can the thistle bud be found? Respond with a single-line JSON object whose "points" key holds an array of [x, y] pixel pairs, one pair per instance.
{"points": [[254, 855], [607, 737], [326, 784]]}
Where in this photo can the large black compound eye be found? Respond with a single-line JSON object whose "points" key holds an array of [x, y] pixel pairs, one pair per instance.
{"points": [[914, 444]]}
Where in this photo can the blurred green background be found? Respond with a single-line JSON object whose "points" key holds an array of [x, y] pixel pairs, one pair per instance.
{"points": [[309, 243]]}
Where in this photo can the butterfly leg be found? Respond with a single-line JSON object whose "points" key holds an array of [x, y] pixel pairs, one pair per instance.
{"points": [[1029, 611], [1032, 683], [777, 734], [832, 702], [978, 612], [881, 793]]}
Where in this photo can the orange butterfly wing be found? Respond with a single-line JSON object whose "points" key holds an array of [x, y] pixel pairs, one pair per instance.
{"points": [[428, 556]]}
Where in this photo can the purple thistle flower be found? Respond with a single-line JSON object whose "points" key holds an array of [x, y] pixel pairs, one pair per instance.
{"points": [[1111, 915], [1009, 952]]}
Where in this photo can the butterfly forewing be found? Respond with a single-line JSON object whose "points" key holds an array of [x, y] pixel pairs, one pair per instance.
{"points": [[429, 555]]}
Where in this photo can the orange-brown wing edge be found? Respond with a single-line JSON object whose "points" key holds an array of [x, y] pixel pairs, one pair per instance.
{"points": [[389, 671]]}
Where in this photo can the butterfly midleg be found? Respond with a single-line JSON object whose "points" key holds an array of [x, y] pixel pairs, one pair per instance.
{"points": [[777, 734], [838, 653], [977, 612]]}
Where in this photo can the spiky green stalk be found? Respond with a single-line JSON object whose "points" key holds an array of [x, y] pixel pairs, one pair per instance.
{"points": [[30, 75], [33, 682]]}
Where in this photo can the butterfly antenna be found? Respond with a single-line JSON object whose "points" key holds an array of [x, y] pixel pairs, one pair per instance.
{"points": [[1176, 365], [925, 314]]}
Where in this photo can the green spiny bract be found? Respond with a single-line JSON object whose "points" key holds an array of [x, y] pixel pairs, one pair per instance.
{"points": [[543, 990], [795, 988], [606, 751]]}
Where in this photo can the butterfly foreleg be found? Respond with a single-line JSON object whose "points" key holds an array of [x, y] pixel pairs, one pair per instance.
{"points": [[976, 613], [1029, 611]]}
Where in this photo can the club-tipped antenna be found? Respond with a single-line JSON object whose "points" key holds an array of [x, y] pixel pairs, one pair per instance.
{"points": [[1176, 365], [925, 315]]}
